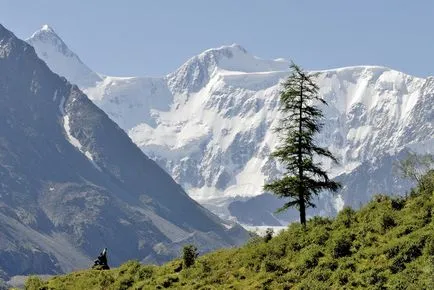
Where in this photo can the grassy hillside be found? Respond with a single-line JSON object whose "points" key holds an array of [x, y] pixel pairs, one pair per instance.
{"points": [[388, 244]]}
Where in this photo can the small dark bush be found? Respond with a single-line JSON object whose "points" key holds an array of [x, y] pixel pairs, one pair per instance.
{"points": [[341, 246], [145, 272], [387, 221], [398, 203], [189, 255], [168, 281], [269, 265], [398, 264], [268, 235], [405, 230]]}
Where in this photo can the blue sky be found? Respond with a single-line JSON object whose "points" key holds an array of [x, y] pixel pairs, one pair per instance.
{"points": [[155, 37]]}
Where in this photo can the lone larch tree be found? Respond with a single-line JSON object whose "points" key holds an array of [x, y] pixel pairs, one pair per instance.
{"points": [[300, 121]]}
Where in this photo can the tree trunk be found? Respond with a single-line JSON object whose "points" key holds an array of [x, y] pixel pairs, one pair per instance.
{"points": [[302, 212], [302, 204]]}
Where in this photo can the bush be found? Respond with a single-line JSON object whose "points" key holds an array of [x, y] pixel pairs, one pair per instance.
{"points": [[387, 221], [346, 217], [341, 246], [131, 267], [320, 236], [189, 255], [145, 272], [35, 283], [123, 283], [168, 281], [310, 256], [408, 252], [270, 264], [268, 235], [105, 279], [398, 203]]}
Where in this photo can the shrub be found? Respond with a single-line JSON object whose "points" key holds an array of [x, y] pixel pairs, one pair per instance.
{"points": [[105, 279], [345, 217], [145, 272], [409, 251], [123, 282], [387, 221], [268, 235], [342, 277], [35, 283], [320, 236], [398, 203], [310, 256], [205, 266], [131, 267], [189, 255], [320, 221], [168, 281], [341, 245], [375, 277], [270, 265]]}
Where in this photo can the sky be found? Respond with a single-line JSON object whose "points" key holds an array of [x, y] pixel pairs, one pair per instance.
{"points": [[153, 38]]}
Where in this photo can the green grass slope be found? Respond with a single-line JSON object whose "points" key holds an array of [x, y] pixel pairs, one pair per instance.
{"points": [[387, 244]]}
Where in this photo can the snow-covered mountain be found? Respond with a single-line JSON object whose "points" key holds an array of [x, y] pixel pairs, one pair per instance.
{"points": [[72, 182], [63, 61], [209, 124]]}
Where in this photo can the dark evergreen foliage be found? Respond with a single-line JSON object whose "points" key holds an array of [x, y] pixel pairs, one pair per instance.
{"points": [[301, 120], [189, 255]]}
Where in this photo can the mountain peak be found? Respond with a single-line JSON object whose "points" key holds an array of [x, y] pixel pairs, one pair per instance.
{"points": [[233, 48], [196, 72], [114, 195], [45, 33], [48, 37], [51, 48], [46, 27]]}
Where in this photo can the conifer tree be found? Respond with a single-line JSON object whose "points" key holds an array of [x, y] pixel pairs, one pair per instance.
{"points": [[301, 120]]}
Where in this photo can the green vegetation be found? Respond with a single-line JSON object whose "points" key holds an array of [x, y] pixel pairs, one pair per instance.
{"points": [[300, 121], [414, 167], [189, 255], [387, 244]]}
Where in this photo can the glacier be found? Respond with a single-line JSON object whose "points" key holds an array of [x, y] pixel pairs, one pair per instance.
{"points": [[210, 123]]}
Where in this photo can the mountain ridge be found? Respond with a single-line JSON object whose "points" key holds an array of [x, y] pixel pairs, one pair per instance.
{"points": [[209, 123], [67, 188], [62, 58]]}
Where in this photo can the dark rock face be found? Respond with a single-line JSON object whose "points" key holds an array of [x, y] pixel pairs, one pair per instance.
{"points": [[72, 182]]}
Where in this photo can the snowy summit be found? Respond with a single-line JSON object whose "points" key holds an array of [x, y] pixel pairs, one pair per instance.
{"points": [[209, 123]]}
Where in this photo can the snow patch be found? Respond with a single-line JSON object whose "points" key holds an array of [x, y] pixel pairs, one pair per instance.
{"points": [[76, 143], [210, 123], [339, 203], [261, 230]]}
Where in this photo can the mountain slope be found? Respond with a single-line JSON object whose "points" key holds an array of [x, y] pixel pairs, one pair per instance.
{"points": [[209, 123], [73, 182]]}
